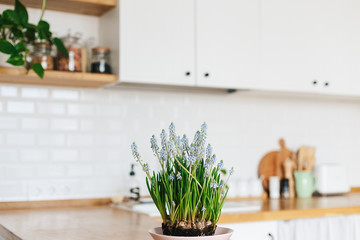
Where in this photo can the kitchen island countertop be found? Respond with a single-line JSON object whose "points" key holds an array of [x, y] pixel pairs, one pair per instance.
{"points": [[103, 222]]}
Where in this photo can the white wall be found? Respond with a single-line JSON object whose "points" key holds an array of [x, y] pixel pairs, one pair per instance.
{"points": [[75, 143]]}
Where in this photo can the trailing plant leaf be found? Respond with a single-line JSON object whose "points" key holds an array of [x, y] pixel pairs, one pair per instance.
{"points": [[38, 69], [20, 47], [30, 34], [60, 46], [43, 29], [7, 47], [10, 16], [16, 60], [21, 12]]}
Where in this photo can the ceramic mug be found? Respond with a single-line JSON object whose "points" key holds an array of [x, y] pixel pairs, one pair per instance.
{"points": [[304, 184]]}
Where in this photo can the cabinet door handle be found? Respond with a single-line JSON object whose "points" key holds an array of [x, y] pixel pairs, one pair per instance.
{"points": [[206, 75], [270, 236], [188, 73], [315, 82], [326, 84]]}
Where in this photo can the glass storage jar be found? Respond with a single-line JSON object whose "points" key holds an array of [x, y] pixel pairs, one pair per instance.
{"points": [[42, 54], [100, 60], [73, 62]]}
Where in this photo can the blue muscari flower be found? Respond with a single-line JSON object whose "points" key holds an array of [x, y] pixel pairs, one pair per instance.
{"points": [[191, 160], [197, 138], [178, 176], [172, 135], [185, 142], [135, 152], [222, 184], [203, 209], [208, 151], [214, 185], [204, 130], [178, 143], [146, 167], [223, 193], [192, 149], [221, 164], [171, 148], [231, 171], [163, 154], [163, 137], [154, 145], [172, 177], [213, 159]]}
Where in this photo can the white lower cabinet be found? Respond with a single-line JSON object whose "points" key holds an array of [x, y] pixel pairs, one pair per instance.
{"points": [[265, 230]]}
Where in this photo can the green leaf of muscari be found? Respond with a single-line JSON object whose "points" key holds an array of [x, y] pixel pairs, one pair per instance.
{"points": [[38, 69], [60, 46], [16, 60], [6, 47], [21, 12], [11, 17]]}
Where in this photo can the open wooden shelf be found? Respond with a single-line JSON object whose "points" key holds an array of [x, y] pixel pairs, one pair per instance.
{"points": [[56, 78], [87, 7]]}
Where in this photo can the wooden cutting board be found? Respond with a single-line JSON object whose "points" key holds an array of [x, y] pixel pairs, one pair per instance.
{"points": [[272, 164]]}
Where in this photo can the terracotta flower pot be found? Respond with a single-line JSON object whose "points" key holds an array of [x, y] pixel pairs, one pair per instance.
{"points": [[221, 233]]}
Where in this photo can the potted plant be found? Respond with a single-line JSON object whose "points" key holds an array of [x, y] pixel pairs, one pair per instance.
{"points": [[187, 190], [16, 34]]}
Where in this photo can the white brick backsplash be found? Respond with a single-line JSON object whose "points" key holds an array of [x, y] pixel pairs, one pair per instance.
{"points": [[53, 139], [87, 125], [19, 171], [20, 107], [65, 95], [1, 106], [8, 123], [80, 170], [110, 140], [20, 139], [8, 155], [50, 171], [34, 155], [63, 143], [34, 93], [51, 108], [80, 140], [34, 124], [109, 110], [11, 190], [81, 109], [7, 91], [64, 155], [64, 124]]}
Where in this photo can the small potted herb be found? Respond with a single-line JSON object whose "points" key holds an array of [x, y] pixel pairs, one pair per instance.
{"points": [[188, 190], [16, 34]]}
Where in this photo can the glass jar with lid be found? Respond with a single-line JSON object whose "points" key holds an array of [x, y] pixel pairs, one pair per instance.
{"points": [[73, 62], [100, 60], [42, 54]]}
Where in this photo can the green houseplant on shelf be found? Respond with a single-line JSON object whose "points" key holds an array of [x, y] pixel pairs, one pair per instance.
{"points": [[16, 34], [187, 190]]}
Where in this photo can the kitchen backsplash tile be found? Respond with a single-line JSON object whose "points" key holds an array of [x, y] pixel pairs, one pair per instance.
{"points": [[61, 143]]}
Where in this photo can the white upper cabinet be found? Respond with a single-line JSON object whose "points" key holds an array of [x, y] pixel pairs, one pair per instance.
{"points": [[227, 43], [157, 41], [311, 46], [289, 39], [339, 46]]}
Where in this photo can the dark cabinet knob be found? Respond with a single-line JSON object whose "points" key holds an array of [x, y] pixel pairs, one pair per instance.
{"points": [[315, 82], [206, 74], [326, 84], [188, 73]]}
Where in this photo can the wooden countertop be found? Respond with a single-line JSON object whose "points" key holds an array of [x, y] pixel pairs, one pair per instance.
{"points": [[103, 222]]}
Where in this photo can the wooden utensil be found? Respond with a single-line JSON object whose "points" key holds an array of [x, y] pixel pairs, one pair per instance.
{"points": [[272, 163], [306, 158]]}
